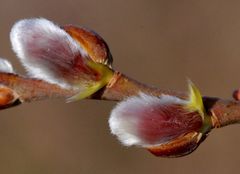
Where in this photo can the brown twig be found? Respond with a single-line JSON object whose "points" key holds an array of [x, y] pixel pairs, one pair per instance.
{"points": [[222, 112], [30, 89]]}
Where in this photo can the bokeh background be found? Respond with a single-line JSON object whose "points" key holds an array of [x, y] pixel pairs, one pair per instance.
{"points": [[159, 42]]}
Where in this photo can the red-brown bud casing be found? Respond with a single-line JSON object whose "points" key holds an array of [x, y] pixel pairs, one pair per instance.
{"points": [[94, 44]]}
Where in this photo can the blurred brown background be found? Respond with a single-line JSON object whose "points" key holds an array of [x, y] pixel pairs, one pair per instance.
{"points": [[159, 42]]}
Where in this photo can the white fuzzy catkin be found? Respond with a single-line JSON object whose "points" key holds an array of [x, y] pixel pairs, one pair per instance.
{"points": [[6, 66], [125, 126], [41, 34]]}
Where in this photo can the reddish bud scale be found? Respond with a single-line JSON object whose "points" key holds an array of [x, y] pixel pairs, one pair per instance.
{"points": [[7, 96], [95, 46], [179, 147], [236, 94]]}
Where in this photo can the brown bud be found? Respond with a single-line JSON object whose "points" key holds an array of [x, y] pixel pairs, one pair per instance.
{"points": [[236, 94], [7, 97], [179, 147], [94, 45]]}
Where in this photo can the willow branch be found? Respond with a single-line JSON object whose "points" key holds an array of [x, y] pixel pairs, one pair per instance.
{"points": [[223, 112]]}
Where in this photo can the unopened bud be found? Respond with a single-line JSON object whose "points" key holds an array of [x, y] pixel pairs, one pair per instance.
{"points": [[236, 94], [7, 96]]}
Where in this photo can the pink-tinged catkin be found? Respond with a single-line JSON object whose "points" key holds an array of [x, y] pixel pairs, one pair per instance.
{"points": [[166, 125], [51, 54], [160, 124]]}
